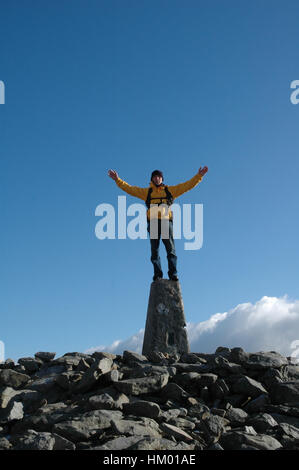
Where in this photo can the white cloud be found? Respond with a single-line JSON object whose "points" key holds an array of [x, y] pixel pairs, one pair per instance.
{"points": [[271, 324], [134, 343]]}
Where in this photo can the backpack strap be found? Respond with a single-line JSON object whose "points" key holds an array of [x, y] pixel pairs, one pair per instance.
{"points": [[148, 199], [169, 197]]}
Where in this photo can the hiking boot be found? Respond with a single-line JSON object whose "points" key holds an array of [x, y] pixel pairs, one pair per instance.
{"points": [[157, 278], [173, 278]]}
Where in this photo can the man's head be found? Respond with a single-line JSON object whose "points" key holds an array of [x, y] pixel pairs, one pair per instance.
{"points": [[157, 177]]}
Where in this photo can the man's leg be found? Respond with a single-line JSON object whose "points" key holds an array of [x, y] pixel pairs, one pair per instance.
{"points": [[155, 257], [171, 254]]}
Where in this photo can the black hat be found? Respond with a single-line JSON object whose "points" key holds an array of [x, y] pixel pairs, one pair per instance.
{"points": [[157, 173]]}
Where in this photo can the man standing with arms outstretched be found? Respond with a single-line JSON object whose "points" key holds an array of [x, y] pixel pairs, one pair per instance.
{"points": [[158, 198]]}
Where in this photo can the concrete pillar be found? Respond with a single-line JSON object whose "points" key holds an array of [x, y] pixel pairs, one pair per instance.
{"points": [[165, 322]]}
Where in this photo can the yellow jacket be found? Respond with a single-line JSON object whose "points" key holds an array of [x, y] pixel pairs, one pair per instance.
{"points": [[159, 192]]}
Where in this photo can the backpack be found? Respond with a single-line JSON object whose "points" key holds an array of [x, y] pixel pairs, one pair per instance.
{"points": [[169, 197]]}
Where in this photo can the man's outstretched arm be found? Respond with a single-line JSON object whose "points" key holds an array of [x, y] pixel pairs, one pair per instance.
{"points": [[182, 188], [133, 190]]}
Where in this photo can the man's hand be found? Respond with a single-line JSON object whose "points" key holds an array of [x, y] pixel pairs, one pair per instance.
{"points": [[113, 174], [203, 171]]}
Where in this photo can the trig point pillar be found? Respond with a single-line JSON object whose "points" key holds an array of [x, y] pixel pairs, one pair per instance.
{"points": [[165, 322]]}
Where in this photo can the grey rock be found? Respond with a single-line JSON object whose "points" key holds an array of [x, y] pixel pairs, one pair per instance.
{"points": [[218, 412], [43, 385], [142, 408], [118, 398], [139, 427], [131, 357], [7, 364], [222, 365], [19, 368], [177, 433], [239, 356], [35, 422], [5, 444], [247, 430], [219, 389], [6, 394], [109, 377], [173, 357], [174, 392], [80, 355], [102, 402], [206, 380], [173, 414], [291, 372], [285, 419], [271, 378], [119, 443], [13, 411], [150, 443], [213, 426], [143, 385], [30, 364], [188, 381], [82, 366], [264, 360], [32, 440], [257, 404], [182, 423], [236, 416], [283, 409], [191, 358], [287, 392], [49, 370], [157, 357], [262, 422], [103, 354], [234, 440], [86, 425], [45, 356], [199, 411], [62, 444], [44, 418], [12, 378], [223, 350], [249, 387], [68, 360], [145, 370], [248, 447], [235, 400], [91, 376], [165, 323], [288, 436], [29, 398], [199, 368], [67, 380], [105, 401], [215, 446]]}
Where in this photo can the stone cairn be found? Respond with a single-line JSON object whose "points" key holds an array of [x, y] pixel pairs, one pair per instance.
{"points": [[193, 401], [165, 322]]}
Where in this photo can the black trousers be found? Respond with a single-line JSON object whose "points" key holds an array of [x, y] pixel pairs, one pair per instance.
{"points": [[168, 242]]}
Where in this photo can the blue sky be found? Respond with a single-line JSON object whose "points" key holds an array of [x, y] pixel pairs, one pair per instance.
{"points": [[136, 86]]}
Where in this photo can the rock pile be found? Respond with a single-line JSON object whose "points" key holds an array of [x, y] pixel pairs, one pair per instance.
{"points": [[227, 400]]}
